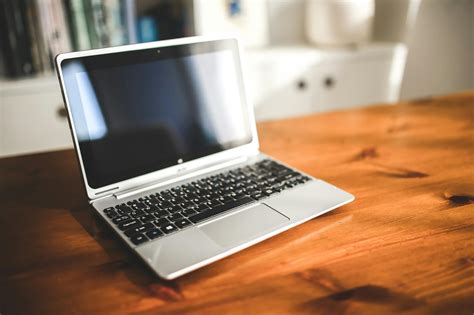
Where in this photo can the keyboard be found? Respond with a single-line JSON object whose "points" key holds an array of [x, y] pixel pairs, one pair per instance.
{"points": [[158, 214]]}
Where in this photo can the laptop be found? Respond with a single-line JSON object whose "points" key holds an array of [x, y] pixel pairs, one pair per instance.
{"points": [[169, 154]]}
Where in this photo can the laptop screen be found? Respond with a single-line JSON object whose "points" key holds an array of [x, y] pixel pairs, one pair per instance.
{"points": [[141, 111]]}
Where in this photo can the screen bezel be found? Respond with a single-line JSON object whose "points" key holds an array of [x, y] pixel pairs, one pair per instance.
{"points": [[178, 169]]}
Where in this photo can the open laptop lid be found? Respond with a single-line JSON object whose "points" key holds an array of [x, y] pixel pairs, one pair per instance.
{"points": [[146, 112]]}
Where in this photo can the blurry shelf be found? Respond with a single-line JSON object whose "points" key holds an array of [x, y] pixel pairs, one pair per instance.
{"points": [[30, 85], [31, 116]]}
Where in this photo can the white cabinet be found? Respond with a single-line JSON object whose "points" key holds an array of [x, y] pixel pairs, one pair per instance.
{"points": [[276, 81], [349, 84], [292, 81], [32, 117]]}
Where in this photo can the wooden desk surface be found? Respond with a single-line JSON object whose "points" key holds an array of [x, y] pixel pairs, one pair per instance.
{"points": [[405, 245]]}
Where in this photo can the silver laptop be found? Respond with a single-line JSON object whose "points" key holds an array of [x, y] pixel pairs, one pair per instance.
{"points": [[168, 149]]}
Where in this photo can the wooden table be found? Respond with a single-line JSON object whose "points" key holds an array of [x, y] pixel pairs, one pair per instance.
{"points": [[405, 245]]}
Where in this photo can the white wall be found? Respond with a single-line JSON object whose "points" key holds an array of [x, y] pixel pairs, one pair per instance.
{"points": [[441, 49], [441, 55], [286, 22]]}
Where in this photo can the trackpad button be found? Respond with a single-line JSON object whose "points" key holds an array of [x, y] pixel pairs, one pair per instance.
{"points": [[244, 226]]}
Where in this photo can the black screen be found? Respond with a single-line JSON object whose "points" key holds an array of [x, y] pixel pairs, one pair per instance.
{"points": [[142, 111]]}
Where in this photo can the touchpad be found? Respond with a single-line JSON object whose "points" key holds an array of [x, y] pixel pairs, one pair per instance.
{"points": [[244, 226]]}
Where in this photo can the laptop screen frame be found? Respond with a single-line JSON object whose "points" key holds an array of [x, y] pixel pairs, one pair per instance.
{"points": [[177, 170]]}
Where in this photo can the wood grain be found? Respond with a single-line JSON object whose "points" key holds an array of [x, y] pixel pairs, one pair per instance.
{"points": [[406, 245]]}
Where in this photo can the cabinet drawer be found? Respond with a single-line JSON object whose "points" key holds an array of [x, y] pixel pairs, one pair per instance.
{"points": [[351, 84], [294, 98], [279, 84], [34, 122]]}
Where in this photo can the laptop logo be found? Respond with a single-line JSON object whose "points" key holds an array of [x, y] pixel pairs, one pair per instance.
{"points": [[181, 169]]}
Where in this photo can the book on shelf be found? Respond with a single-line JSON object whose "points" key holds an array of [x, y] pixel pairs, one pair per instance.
{"points": [[147, 29], [15, 38], [54, 28], [33, 32], [34, 36], [129, 13], [115, 21], [78, 25]]}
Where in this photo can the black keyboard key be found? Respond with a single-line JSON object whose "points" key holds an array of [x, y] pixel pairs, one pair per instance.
{"points": [[176, 189], [160, 222], [289, 175], [165, 192], [110, 209], [138, 239], [290, 185], [186, 204], [150, 201], [202, 206], [258, 196], [111, 213], [177, 200], [302, 179], [189, 188], [153, 208], [251, 190], [165, 204], [120, 219], [294, 181], [278, 187], [213, 203], [182, 223], [175, 216], [210, 195], [174, 208], [121, 212], [181, 193], [281, 172], [153, 233], [219, 209], [188, 212], [124, 208], [225, 199], [191, 196], [139, 229], [128, 224], [198, 200], [137, 213], [161, 214], [268, 191], [168, 228], [139, 206], [146, 218], [238, 195], [271, 180]]}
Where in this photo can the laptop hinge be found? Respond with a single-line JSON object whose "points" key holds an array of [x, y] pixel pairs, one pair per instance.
{"points": [[208, 169]]}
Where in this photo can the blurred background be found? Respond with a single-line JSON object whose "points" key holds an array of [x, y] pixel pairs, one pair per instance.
{"points": [[300, 56]]}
